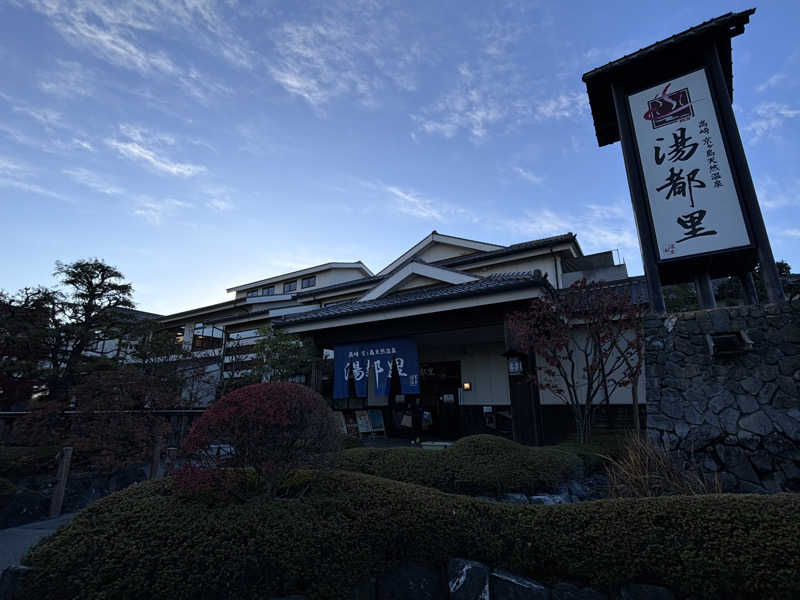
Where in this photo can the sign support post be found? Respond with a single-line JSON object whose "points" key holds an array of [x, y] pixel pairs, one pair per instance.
{"points": [[768, 269]]}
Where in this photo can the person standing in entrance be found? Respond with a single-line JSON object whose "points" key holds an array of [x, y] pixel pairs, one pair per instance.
{"points": [[417, 415]]}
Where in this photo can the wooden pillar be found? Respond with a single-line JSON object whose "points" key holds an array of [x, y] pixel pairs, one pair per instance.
{"points": [[749, 288], [57, 501], [641, 209], [705, 291], [768, 269]]}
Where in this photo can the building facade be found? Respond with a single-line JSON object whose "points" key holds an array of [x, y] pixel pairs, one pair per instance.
{"points": [[427, 329]]}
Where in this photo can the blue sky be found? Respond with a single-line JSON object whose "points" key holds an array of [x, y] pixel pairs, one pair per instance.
{"points": [[203, 145]]}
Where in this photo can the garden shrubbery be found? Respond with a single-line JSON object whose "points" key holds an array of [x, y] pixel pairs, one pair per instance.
{"points": [[148, 542], [476, 464], [248, 441]]}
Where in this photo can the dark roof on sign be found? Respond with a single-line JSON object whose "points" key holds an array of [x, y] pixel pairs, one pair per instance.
{"points": [[489, 284], [658, 58]]}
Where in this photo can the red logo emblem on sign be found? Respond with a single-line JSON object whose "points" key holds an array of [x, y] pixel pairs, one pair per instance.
{"points": [[669, 107]]}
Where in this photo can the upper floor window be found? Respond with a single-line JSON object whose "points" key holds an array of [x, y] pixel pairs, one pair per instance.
{"points": [[308, 282], [251, 293], [268, 291], [289, 286]]}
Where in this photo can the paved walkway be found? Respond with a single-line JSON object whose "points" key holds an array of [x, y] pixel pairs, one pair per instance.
{"points": [[15, 541]]}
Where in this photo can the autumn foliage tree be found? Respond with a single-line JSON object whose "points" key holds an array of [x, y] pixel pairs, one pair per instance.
{"points": [[250, 439], [113, 423], [587, 342]]}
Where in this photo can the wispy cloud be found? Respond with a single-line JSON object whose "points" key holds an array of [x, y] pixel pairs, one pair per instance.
{"points": [[45, 116], [350, 49], [219, 198], [93, 181], [599, 226], [563, 106], [114, 33], [15, 174], [770, 117], [528, 175], [770, 82], [145, 146], [156, 211], [416, 204], [67, 79], [774, 194]]}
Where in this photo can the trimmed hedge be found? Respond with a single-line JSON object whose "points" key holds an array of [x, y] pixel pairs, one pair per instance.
{"points": [[476, 464], [146, 542]]}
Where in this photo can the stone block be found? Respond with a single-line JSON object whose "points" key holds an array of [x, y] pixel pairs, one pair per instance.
{"points": [[570, 591], [692, 416], [467, 580], [412, 582], [762, 462], [672, 404], [785, 401], [747, 403], [787, 385], [735, 461], [752, 385], [11, 581], [788, 349], [758, 423], [546, 499], [748, 440], [720, 319], [643, 591], [728, 420], [660, 422], [505, 586], [721, 401], [788, 365], [766, 393], [766, 372]]}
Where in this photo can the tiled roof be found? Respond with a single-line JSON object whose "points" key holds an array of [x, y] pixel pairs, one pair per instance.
{"points": [[512, 249], [491, 283]]}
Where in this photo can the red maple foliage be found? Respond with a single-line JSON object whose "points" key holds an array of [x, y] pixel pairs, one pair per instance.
{"points": [[588, 342], [250, 439]]}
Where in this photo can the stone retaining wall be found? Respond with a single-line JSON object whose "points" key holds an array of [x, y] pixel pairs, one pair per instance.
{"points": [[737, 417]]}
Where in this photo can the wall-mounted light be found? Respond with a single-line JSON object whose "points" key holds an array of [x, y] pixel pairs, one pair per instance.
{"points": [[467, 386], [514, 365]]}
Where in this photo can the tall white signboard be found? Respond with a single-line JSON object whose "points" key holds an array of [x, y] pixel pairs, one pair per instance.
{"points": [[690, 188]]}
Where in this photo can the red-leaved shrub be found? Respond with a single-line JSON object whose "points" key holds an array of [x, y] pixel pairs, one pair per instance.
{"points": [[248, 441]]}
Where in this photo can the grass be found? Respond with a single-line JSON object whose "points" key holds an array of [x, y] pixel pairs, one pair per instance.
{"points": [[148, 542]]}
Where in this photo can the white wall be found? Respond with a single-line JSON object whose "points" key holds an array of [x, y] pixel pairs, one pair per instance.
{"points": [[441, 251], [482, 364]]}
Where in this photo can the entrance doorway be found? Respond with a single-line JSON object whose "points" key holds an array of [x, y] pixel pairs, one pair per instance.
{"points": [[439, 386]]}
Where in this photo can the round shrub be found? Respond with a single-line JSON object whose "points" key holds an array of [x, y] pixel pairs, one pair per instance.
{"points": [[476, 464], [249, 440]]}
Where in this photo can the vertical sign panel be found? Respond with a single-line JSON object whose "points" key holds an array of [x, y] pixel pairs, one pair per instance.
{"points": [[690, 188]]}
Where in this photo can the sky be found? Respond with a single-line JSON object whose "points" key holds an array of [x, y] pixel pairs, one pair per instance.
{"points": [[200, 145]]}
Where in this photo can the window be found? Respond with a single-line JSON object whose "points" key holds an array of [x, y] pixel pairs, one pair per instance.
{"points": [[308, 282], [206, 338], [289, 286], [251, 293], [242, 335], [268, 291]]}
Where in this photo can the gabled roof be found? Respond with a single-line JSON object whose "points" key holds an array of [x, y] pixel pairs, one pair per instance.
{"points": [[656, 61], [490, 284], [437, 238], [309, 271], [513, 249], [420, 269]]}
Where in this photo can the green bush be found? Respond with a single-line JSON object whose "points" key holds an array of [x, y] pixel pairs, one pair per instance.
{"points": [[476, 464], [146, 542], [595, 455], [349, 441], [25, 461]]}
